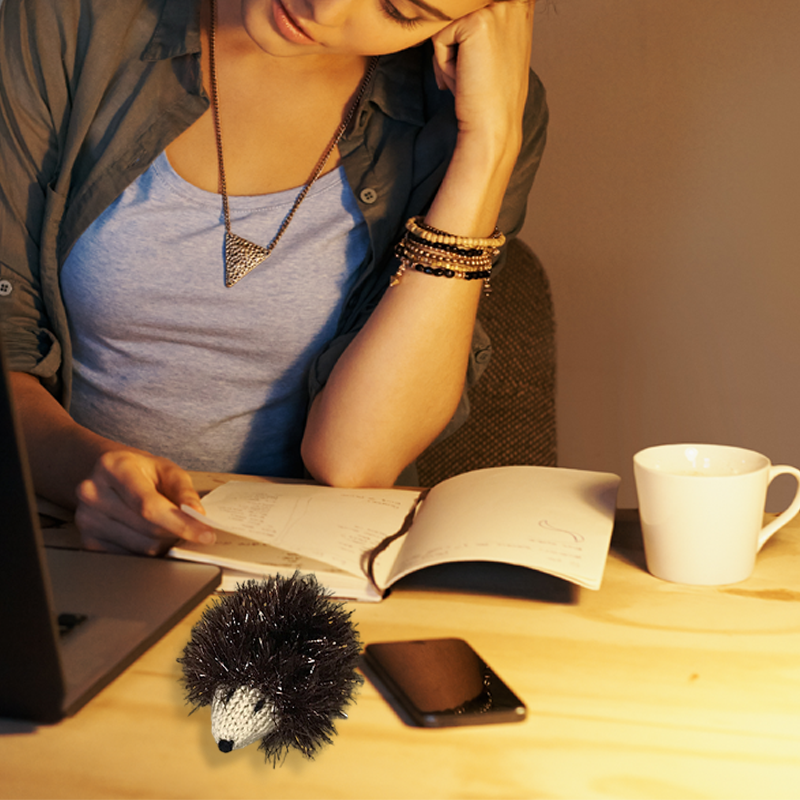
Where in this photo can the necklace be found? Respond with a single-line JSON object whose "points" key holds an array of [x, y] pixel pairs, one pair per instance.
{"points": [[241, 255]]}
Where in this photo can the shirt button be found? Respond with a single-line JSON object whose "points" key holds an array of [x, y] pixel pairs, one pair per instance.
{"points": [[368, 196], [483, 355], [5, 288]]}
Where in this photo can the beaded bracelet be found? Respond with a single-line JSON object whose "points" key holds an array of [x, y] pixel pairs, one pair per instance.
{"points": [[443, 272], [450, 248], [418, 227], [442, 264], [435, 255]]}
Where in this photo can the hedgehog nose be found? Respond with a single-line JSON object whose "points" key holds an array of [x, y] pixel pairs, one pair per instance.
{"points": [[225, 745]]}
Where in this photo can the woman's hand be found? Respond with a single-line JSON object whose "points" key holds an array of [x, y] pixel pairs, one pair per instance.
{"points": [[125, 500], [131, 503], [484, 60]]}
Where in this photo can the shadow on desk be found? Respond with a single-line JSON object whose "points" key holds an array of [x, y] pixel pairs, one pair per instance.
{"points": [[15, 727], [491, 578], [626, 540]]}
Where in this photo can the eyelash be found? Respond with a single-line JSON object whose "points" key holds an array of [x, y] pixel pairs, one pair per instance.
{"points": [[393, 14]]}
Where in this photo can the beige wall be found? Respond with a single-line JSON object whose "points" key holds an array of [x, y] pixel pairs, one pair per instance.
{"points": [[667, 213]]}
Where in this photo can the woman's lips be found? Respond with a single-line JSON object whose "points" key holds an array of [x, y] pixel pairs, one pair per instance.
{"points": [[288, 27]]}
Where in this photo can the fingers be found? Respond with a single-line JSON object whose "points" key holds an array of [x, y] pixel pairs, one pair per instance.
{"points": [[444, 63], [131, 503], [484, 59]]}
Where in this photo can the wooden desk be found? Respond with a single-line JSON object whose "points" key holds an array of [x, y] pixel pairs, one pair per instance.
{"points": [[641, 690]]}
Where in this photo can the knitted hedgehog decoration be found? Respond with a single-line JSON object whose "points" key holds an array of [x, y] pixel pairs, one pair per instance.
{"points": [[276, 661]]}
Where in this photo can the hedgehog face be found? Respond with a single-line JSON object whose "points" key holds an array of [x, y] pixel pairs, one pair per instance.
{"points": [[239, 717]]}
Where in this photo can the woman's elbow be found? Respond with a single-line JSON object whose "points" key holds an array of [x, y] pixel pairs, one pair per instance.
{"points": [[346, 469]]}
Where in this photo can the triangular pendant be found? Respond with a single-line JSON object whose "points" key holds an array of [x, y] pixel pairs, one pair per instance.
{"points": [[241, 256]]}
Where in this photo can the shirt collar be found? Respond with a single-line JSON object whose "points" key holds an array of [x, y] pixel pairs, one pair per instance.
{"points": [[177, 32], [399, 85]]}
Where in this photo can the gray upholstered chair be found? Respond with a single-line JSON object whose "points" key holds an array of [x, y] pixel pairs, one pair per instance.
{"points": [[513, 415]]}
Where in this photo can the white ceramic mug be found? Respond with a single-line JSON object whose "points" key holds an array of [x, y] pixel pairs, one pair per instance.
{"points": [[702, 510]]}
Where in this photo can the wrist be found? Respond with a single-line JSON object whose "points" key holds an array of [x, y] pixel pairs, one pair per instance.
{"points": [[490, 144], [469, 199]]}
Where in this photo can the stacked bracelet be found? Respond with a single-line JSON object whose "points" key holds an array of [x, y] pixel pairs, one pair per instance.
{"points": [[419, 228], [434, 252], [434, 256]]}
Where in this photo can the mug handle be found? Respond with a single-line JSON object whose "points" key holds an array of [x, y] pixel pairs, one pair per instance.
{"points": [[791, 511]]}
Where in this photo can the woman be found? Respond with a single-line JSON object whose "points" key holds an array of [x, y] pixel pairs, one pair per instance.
{"points": [[144, 319]]}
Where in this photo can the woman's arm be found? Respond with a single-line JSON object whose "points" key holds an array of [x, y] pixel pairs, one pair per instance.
{"points": [[124, 499], [398, 383]]}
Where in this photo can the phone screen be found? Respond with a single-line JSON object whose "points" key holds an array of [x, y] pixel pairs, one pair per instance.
{"points": [[441, 683]]}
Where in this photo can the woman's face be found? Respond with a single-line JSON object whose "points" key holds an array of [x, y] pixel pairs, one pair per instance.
{"points": [[348, 27]]}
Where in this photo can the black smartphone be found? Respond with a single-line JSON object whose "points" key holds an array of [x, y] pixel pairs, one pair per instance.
{"points": [[440, 683]]}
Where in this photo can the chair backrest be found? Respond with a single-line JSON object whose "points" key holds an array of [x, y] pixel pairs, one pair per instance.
{"points": [[512, 407]]}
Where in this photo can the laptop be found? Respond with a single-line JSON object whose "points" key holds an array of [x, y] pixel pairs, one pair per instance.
{"points": [[70, 620]]}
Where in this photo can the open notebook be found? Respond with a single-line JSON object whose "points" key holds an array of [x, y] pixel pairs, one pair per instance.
{"points": [[71, 621]]}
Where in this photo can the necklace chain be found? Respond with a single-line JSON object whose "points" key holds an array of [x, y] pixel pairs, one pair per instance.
{"points": [[241, 255]]}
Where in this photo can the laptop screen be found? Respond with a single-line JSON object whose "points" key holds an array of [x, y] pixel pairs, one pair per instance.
{"points": [[112, 607], [31, 684]]}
